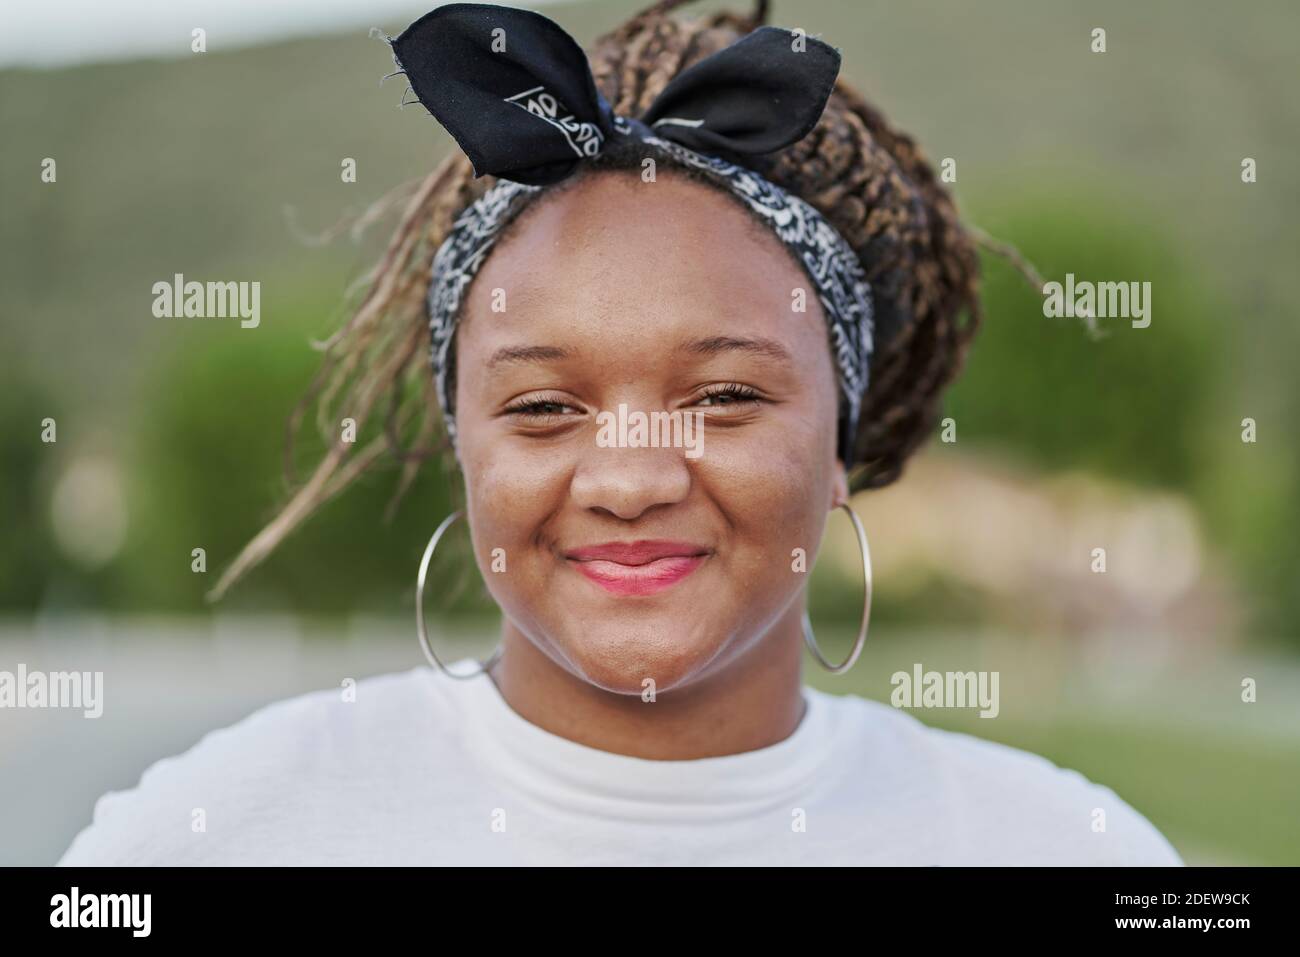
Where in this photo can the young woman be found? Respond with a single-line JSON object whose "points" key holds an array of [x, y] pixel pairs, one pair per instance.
{"points": [[683, 300]]}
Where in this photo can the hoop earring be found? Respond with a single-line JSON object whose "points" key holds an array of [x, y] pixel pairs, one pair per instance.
{"points": [[808, 638], [425, 644]]}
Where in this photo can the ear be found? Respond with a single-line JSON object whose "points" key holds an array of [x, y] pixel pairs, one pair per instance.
{"points": [[839, 485]]}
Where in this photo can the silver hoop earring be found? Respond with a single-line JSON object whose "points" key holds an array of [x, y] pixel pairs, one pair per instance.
{"points": [[425, 644], [808, 638]]}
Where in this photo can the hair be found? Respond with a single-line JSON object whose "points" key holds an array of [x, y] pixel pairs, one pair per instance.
{"points": [[870, 181]]}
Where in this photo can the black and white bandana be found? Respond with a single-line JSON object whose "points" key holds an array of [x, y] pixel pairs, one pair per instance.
{"points": [[517, 94]]}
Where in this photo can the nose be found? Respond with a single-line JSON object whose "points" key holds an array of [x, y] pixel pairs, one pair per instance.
{"points": [[628, 482]]}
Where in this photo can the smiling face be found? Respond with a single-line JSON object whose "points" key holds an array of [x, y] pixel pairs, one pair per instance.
{"points": [[634, 562]]}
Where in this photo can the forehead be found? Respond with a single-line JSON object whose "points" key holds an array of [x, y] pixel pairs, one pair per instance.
{"points": [[616, 256]]}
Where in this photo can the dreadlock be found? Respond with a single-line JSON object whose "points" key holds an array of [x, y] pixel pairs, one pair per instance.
{"points": [[871, 182]]}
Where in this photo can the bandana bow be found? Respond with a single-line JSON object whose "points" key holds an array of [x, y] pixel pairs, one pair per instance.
{"points": [[517, 94]]}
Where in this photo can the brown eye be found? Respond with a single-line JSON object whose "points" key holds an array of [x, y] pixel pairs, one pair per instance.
{"points": [[540, 407], [731, 394]]}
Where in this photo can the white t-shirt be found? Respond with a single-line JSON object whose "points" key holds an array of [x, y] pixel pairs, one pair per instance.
{"points": [[424, 769]]}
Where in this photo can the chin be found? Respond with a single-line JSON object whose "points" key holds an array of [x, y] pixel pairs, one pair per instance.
{"points": [[619, 655]]}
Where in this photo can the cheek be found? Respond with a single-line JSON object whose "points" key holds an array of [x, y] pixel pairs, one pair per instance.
{"points": [[774, 495], [511, 494]]}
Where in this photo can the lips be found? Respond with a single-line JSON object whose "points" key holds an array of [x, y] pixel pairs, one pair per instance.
{"points": [[637, 568]]}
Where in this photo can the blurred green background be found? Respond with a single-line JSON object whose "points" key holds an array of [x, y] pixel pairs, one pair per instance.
{"points": [[1117, 166]]}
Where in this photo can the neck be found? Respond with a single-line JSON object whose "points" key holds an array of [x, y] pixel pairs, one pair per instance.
{"points": [[752, 701]]}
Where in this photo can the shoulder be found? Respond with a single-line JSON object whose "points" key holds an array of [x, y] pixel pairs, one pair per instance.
{"points": [[237, 783], [1004, 804]]}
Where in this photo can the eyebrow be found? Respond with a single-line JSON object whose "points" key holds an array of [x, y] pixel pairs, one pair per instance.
{"points": [[711, 346], [715, 345], [527, 354]]}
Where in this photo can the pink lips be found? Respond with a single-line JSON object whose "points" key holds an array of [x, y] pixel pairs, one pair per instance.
{"points": [[637, 568]]}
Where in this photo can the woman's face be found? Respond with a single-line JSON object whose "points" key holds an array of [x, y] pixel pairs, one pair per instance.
{"points": [[623, 561]]}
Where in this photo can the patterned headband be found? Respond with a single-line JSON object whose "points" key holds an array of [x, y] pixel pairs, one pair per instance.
{"points": [[517, 94]]}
